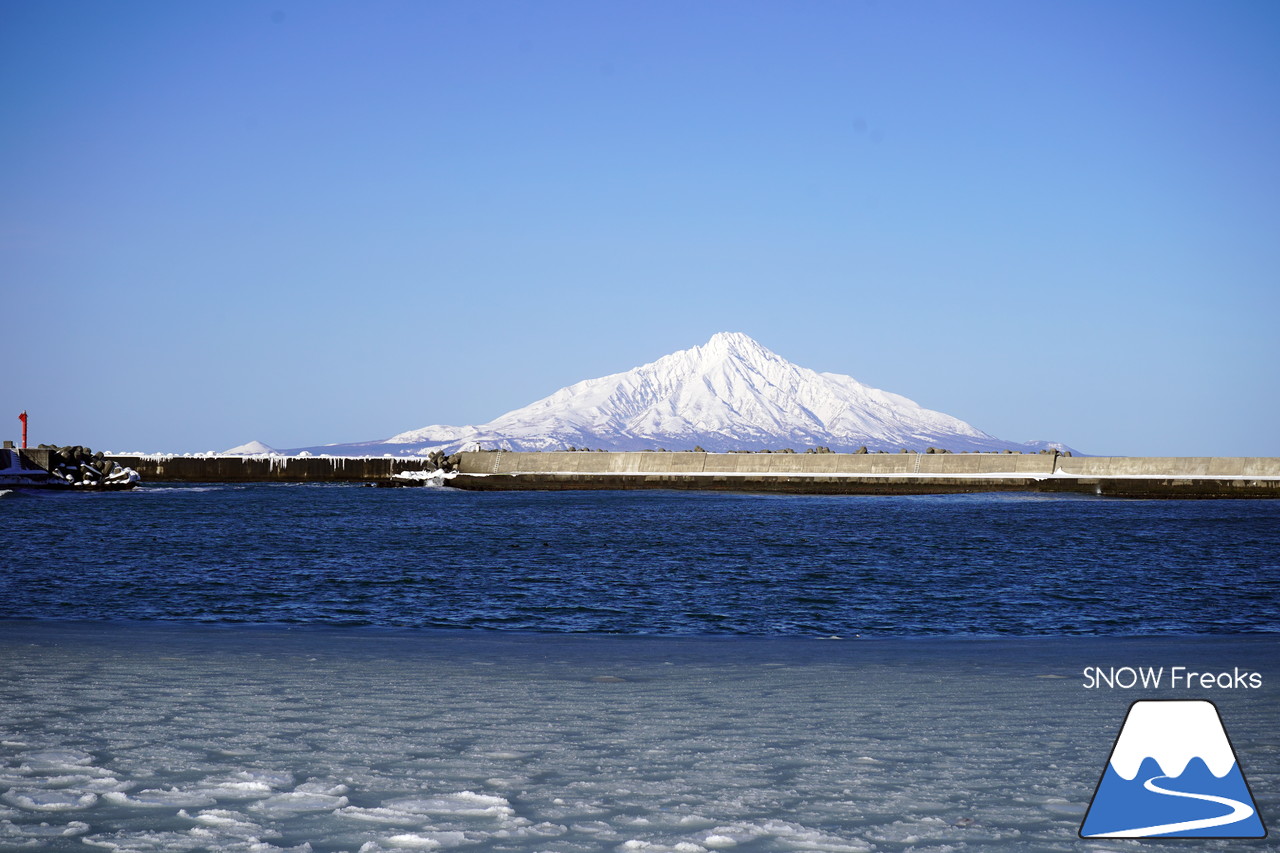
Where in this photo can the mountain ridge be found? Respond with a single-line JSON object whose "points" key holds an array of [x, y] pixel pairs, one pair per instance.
{"points": [[731, 393]]}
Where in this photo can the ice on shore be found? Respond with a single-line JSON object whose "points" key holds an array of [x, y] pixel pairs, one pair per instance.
{"points": [[45, 800], [133, 738]]}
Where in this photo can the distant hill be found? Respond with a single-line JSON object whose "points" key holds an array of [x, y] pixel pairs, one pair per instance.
{"points": [[252, 448]]}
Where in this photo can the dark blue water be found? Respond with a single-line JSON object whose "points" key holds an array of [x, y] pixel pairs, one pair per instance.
{"points": [[644, 562]]}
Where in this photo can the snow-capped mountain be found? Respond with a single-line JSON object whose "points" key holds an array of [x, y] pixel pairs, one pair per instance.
{"points": [[251, 448], [731, 393]]}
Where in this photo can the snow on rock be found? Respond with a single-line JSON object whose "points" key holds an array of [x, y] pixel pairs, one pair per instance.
{"points": [[731, 393]]}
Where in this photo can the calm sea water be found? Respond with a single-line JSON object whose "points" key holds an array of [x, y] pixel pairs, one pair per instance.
{"points": [[296, 669], [644, 562]]}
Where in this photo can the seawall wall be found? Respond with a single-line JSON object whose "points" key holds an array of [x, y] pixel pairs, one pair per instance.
{"points": [[268, 469], [1169, 466], [896, 473], [815, 473], [511, 462], [868, 464]]}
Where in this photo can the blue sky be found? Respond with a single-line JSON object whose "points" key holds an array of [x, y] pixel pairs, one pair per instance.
{"points": [[327, 222]]}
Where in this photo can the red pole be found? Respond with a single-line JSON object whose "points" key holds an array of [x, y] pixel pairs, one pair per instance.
{"points": [[23, 417]]}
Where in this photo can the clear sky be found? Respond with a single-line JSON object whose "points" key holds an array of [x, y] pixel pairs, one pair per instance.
{"points": [[323, 222]]}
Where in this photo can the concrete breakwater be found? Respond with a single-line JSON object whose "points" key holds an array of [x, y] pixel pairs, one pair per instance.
{"points": [[896, 473], [792, 473], [160, 468]]}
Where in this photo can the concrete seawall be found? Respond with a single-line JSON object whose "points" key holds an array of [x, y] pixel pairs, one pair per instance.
{"points": [[898, 473], [790, 473], [269, 469], [810, 464]]}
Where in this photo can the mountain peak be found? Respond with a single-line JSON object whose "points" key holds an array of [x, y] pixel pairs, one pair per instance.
{"points": [[736, 343], [731, 393], [732, 340]]}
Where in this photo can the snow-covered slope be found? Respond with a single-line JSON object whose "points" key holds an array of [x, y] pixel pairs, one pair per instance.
{"points": [[728, 394]]}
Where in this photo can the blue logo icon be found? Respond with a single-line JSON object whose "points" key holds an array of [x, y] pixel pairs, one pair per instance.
{"points": [[1172, 774]]}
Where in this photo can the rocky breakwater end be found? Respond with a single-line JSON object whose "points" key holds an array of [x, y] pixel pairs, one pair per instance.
{"points": [[444, 468], [79, 467]]}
